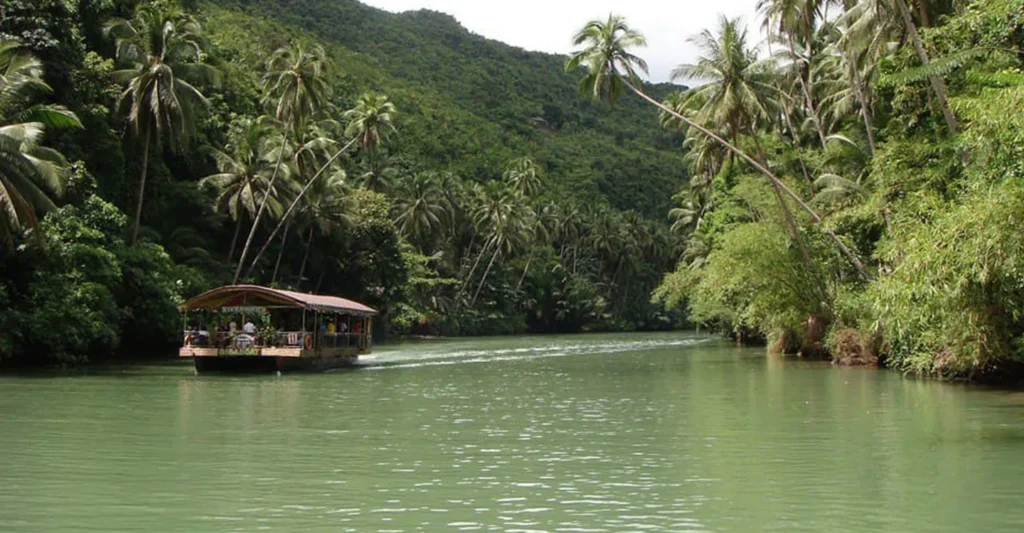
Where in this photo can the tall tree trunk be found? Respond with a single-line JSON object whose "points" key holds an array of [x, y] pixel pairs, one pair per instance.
{"points": [[788, 214], [854, 260], [469, 277], [305, 258], [799, 156], [259, 213], [234, 240], [525, 270], [938, 84], [804, 79], [280, 253], [295, 202], [484, 279], [922, 9], [142, 186], [865, 109]]}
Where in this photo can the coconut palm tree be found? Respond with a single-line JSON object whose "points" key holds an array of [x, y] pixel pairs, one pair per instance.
{"points": [[872, 24], [522, 175], [28, 171], [161, 48], [740, 90], [503, 217], [371, 121], [327, 207], [738, 95], [373, 112], [794, 23], [244, 168], [422, 208], [295, 86], [611, 69]]}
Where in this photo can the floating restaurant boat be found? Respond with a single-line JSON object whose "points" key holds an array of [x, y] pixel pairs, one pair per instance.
{"points": [[260, 328]]}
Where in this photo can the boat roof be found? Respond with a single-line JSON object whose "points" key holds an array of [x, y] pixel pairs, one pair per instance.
{"points": [[257, 296]]}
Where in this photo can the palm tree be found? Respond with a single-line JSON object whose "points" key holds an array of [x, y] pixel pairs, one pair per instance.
{"points": [[796, 21], [295, 86], [373, 115], [737, 96], [28, 171], [422, 207], [874, 23], [606, 60], [740, 90], [503, 218], [243, 177], [371, 120], [522, 175], [326, 207], [162, 48]]}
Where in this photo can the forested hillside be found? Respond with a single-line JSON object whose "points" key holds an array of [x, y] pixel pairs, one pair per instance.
{"points": [[470, 104], [460, 185]]}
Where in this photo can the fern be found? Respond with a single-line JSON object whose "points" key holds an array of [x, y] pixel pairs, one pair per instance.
{"points": [[940, 67]]}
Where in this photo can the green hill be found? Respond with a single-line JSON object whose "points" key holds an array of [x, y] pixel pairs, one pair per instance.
{"points": [[468, 102]]}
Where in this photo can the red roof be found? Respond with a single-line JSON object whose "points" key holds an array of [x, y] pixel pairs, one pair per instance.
{"points": [[255, 295]]}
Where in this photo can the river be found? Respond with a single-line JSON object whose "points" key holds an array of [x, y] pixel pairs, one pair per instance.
{"points": [[636, 432]]}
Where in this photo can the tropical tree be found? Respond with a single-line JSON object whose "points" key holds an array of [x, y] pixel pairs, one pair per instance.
{"points": [[244, 167], [421, 207], [504, 219], [327, 208], [795, 23], [295, 85], [738, 95], [611, 68], [162, 49], [373, 115], [370, 121], [28, 171], [522, 175]]}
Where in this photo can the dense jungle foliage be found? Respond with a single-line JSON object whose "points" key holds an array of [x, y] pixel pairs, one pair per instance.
{"points": [[852, 187], [897, 126], [155, 149]]}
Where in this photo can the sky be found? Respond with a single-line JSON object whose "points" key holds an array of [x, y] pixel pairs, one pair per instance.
{"points": [[548, 25]]}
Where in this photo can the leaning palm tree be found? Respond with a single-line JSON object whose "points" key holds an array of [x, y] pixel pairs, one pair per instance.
{"points": [[295, 86], [327, 207], [503, 217], [28, 171], [243, 175], [871, 24], [162, 50], [738, 95], [610, 69], [377, 118]]}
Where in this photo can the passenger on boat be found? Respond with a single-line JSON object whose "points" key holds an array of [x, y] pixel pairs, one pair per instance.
{"points": [[249, 328], [331, 328]]}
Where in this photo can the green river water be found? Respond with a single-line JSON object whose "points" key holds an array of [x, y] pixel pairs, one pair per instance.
{"points": [[639, 432]]}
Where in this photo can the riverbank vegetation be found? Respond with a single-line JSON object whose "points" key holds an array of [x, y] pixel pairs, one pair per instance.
{"points": [[862, 198], [155, 149], [850, 187]]}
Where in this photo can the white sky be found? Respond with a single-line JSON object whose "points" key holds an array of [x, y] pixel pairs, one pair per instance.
{"points": [[548, 25]]}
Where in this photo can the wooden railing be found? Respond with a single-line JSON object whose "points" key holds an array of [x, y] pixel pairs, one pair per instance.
{"points": [[281, 339]]}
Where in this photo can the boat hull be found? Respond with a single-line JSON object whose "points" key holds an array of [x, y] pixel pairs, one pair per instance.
{"points": [[213, 360]]}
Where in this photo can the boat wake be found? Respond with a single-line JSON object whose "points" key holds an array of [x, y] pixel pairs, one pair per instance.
{"points": [[443, 353]]}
